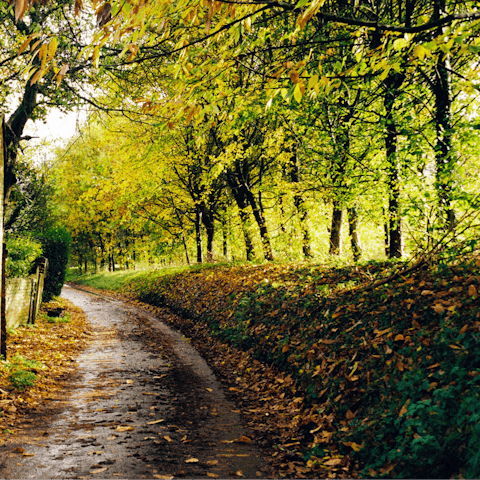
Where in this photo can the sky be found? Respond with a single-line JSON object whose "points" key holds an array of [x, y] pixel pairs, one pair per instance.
{"points": [[58, 128]]}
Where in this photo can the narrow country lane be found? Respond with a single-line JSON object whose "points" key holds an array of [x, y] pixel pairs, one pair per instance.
{"points": [[143, 404]]}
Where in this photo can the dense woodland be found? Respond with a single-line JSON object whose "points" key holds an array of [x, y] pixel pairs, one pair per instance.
{"points": [[249, 130]]}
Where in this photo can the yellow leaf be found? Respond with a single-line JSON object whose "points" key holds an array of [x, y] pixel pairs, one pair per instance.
{"points": [[212, 462], [464, 329], [212, 475], [24, 454], [99, 470], [167, 438], [297, 93], [52, 47], [163, 477], [209, 390], [191, 460], [399, 338], [24, 45], [420, 52], [332, 462], [129, 381], [472, 291], [155, 421], [124, 429]]}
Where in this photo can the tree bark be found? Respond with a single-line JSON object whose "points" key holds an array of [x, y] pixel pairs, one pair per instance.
{"points": [[353, 229], [209, 223], [187, 257], [444, 153], [198, 233], [241, 201], [262, 225], [392, 84], [299, 203], [336, 229]]}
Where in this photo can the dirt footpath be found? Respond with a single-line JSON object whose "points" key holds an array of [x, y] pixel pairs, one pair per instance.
{"points": [[143, 404]]}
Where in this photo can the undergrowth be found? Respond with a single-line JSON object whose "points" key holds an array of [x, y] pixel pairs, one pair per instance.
{"points": [[390, 376]]}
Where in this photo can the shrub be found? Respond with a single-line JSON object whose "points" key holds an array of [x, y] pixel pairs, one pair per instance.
{"points": [[22, 253], [56, 246]]}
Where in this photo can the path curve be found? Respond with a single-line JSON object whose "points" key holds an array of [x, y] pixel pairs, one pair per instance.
{"points": [[143, 404]]}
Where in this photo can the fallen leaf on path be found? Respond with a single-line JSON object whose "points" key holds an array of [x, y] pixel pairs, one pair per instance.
{"points": [[113, 437], [242, 439], [212, 475], [167, 438], [239, 473], [156, 421], [212, 462], [191, 460], [148, 393], [163, 477], [99, 470], [98, 452], [123, 429], [209, 390], [27, 454], [129, 381], [332, 462], [18, 450]]}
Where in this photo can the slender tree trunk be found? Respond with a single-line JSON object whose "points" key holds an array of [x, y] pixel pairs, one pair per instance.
{"points": [[353, 229], [392, 84], [299, 203], [444, 151], [225, 239], [209, 223], [242, 205], [336, 229], [260, 219], [198, 233], [187, 257]]}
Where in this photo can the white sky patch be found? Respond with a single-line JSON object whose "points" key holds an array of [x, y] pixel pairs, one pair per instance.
{"points": [[52, 133]]}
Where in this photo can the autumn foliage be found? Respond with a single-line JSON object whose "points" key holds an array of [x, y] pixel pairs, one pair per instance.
{"points": [[385, 381]]}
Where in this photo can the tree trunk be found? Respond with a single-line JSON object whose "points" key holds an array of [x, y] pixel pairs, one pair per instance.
{"points": [[198, 233], [260, 219], [444, 153], [209, 223], [242, 205], [187, 257], [299, 203], [353, 229], [392, 84], [225, 239], [336, 229], [14, 130]]}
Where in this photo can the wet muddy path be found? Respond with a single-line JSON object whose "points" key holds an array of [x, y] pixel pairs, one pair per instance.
{"points": [[142, 404]]}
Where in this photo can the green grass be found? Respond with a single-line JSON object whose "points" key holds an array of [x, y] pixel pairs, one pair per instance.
{"points": [[113, 281]]}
